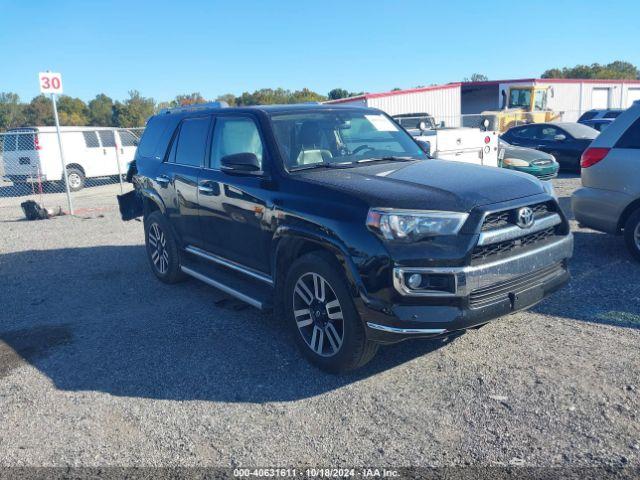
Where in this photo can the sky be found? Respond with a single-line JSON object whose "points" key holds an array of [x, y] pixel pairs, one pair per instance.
{"points": [[166, 48]]}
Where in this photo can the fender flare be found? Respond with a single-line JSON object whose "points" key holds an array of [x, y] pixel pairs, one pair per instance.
{"points": [[324, 240], [153, 197]]}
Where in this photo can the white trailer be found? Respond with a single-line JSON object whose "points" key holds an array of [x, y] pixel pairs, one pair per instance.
{"points": [[442, 102]]}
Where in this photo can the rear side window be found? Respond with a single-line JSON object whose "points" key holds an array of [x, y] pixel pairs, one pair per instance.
{"points": [[107, 137], [157, 134], [91, 139], [192, 141], [127, 139], [630, 138]]}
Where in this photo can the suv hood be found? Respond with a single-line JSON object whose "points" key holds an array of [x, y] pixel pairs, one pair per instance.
{"points": [[427, 184]]}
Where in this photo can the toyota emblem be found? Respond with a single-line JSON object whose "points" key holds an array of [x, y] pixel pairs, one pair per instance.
{"points": [[525, 217]]}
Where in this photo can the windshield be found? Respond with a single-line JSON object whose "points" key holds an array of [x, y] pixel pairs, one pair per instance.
{"points": [[520, 98], [413, 121], [340, 138]]}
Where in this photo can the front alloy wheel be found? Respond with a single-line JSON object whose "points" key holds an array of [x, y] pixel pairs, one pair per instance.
{"points": [[322, 316], [318, 314]]}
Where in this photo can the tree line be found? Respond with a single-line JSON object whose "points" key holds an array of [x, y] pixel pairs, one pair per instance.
{"points": [[103, 111]]}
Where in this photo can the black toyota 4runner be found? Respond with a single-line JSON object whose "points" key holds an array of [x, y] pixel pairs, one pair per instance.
{"points": [[337, 217]]}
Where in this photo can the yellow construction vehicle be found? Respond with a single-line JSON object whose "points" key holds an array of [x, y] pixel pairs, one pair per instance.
{"points": [[527, 104]]}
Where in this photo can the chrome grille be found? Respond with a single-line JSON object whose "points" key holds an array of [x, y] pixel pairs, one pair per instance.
{"points": [[505, 218], [511, 245]]}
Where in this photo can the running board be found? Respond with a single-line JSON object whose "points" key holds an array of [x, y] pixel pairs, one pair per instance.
{"points": [[226, 289], [229, 264]]}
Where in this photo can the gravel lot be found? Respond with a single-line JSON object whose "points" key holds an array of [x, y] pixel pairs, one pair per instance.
{"points": [[101, 364]]}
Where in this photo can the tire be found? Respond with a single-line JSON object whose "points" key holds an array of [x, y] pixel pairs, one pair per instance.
{"points": [[162, 248], [76, 179], [632, 234], [323, 317]]}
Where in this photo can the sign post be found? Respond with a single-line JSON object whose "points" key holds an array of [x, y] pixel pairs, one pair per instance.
{"points": [[52, 83]]}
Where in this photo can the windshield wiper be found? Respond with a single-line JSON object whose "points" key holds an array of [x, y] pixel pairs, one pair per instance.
{"points": [[322, 165], [389, 158]]}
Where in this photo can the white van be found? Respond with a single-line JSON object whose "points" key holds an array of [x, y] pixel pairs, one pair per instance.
{"points": [[32, 154]]}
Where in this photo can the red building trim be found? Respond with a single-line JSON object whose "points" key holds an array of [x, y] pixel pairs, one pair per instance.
{"points": [[367, 96], [552, 80]]}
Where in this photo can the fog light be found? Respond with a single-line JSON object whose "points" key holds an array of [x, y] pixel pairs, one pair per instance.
{"points": [[415, 280]]}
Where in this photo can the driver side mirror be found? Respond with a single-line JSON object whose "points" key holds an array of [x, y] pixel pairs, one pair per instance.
{"points": [[240, 163], [560, 138]]}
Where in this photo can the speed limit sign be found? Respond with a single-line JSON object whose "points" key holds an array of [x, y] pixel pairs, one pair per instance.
{"points": [[50, 82]]}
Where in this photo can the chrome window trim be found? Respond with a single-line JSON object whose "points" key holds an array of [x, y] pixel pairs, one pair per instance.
{"points": [[512, 232], [472, 277], [229, 264]]}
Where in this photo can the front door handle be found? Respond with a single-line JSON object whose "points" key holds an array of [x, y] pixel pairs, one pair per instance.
{"points": [[163, 180], [204, 189]]}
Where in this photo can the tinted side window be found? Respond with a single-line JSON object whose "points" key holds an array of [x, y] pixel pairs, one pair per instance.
{"points": [[127, 139], [153, 135], [587, 116], [630, 138], [91, 139], [107, 137], [548, 133], [611, 114], [524, 132], [192, 141], [235, 135]]}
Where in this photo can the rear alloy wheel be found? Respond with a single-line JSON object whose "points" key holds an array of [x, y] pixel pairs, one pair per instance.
{"points": [[159, 252], [322, 315], [162, 249], [632, 234]]}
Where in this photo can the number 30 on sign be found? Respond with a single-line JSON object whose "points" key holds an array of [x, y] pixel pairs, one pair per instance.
{"points": [[50, 82]]}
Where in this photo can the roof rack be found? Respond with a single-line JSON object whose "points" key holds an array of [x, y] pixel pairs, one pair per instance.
{"points": [[195, 106]]}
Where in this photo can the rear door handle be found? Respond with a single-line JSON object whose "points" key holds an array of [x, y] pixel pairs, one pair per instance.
{"points": [[163, 180]]}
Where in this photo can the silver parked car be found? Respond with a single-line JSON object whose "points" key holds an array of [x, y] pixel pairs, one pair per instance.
{"points": [[609, 199]]}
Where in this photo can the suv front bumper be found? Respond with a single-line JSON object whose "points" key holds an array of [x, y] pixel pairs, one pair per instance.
{"points": [[482, 293]]}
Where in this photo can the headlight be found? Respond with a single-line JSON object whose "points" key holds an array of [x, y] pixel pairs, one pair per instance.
{"points": [[548, 187], [515, 162], [413, 225]]}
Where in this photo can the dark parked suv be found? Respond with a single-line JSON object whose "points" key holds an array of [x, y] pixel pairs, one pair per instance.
{"points": [[337, 218]]}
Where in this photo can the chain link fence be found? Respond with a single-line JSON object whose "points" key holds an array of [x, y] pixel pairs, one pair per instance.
{"points": [[96, 161]]}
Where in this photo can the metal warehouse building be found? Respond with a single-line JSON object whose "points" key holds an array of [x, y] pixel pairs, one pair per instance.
{"points": [[440, 101], [446, 103], [571, 97]]}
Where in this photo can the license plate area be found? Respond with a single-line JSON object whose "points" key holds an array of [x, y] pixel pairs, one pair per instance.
{"points": [[523, 299]]}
